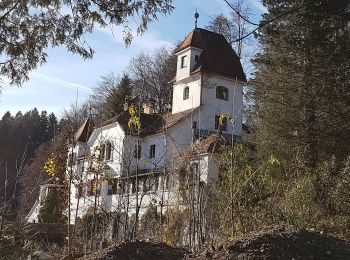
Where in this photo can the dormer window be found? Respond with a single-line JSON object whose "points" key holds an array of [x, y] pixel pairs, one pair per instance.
{"points": [[183, 62], [222, 93], [186, 94]]}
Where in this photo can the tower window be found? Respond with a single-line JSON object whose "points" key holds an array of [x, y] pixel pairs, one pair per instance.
{"points": [[219, 126], [195, 58], [183, 62], [186, 92], [152, 151], [222, 93]]}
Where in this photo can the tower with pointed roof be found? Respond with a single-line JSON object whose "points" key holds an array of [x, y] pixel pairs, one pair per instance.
{"points": [[209, 77]]}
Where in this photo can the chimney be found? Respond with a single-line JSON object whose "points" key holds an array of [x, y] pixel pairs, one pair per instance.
{"points": [[148, 108]]}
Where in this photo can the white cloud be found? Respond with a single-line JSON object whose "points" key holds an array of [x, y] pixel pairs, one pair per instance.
{"points": [[258, 6], [61, 82], [147, 41]]}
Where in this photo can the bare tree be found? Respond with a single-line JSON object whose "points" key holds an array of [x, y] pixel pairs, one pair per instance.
{"points": [[152, 73]]}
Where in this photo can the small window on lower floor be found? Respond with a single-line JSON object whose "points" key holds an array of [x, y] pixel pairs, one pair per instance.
{"points": [[221, 126], [152, 151]]}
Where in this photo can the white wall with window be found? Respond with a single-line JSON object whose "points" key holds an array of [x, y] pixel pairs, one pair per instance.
{"points": [[182, 101]]}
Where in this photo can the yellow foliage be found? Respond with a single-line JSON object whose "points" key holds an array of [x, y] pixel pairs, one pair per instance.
{"points": [[50, 166], [134, 119], [228, 116], [273, 160]]}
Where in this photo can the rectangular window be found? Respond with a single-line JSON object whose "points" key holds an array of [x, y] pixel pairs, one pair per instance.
{"points": [[222, 93], [183, 62], [137, 152], [195, 58], [194, 125], [219, 126], [152, 151]]}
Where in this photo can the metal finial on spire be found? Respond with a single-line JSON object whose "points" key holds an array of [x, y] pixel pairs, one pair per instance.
{"points": [[196, 15]]}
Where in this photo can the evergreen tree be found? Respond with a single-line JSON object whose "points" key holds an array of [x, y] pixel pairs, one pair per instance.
{"points": [[302, 81], [115, 100], [52, 127], [52, 210], [20, 136]]}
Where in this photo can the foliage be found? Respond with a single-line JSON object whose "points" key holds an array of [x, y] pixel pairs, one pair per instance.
{"points": [[301, 82], [242, 188], [20, 136], [50, 166], [92, 225], [149, 224], [30, 27], [109, 96], [12, 242], [134, 118], [174, 227], [53, 208], [253, 195]]}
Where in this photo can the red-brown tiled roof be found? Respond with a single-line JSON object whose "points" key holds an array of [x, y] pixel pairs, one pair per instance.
{"points": [[217, 58], [211, 144], [151, 124]]}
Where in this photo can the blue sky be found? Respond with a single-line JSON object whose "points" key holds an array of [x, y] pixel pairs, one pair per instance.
{"points": [[53, 86]]}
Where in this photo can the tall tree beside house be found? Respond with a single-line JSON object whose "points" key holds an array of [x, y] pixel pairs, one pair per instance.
{"points": [[302, 82], [151, 74], [115, 101], [109, 96], [53, 209]]}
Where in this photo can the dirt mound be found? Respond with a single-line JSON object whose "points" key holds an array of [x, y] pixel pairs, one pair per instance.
{"points": [[284, 242], [139, 250]]}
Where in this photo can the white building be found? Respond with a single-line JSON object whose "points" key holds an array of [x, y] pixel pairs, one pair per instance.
{"points": [[108, 160]]}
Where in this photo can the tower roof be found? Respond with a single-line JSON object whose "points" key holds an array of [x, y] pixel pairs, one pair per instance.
{"points": [[218, 57]]}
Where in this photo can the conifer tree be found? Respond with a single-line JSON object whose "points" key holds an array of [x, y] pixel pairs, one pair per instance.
{"points": [[302, 81], [115, 100]]}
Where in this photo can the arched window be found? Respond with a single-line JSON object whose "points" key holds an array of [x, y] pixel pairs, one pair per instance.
{"points": [[221, 92], [186, 92], [102, 151], [108, 150]]}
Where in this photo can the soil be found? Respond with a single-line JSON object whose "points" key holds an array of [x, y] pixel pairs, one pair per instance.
{"points": [[139, 250], [282, 242]]}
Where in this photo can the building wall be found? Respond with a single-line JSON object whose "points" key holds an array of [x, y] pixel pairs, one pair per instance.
{"points": [[212, 106], [114, 134], [194, 100]]}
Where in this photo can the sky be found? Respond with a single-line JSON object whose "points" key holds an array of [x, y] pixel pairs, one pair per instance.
{"points": [[67, 78]]}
